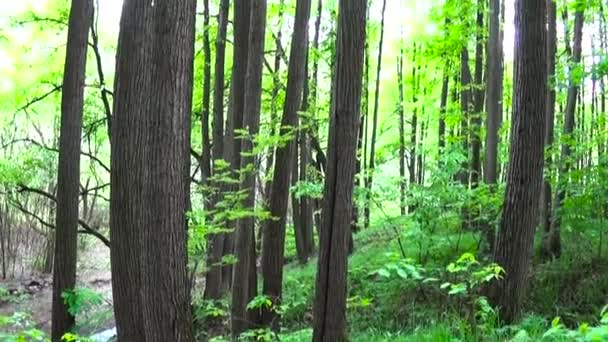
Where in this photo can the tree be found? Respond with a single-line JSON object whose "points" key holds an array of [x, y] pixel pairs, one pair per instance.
{"points": [[232, 145], [524, 173], [244, 279], [372, 153], [494, 93], [546, 195], [274, 230], [330, 292], [213, 279], [150, 173], [68, 173], [553, 239]]}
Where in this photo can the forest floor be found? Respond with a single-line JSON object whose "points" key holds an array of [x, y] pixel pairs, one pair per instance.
{"points": [[32, 293]]}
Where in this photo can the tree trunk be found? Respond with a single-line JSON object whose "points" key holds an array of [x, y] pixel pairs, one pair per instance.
{"points": [[330, 297], [553, 240], [151, 170], [68, 173], [442, 111], [465, 107], [401, 110], [546, 194], [274, 230], [525, 171], [205, 162], [244, 283], [213, 278], [372, 153], [478, 97], [232, 145]]}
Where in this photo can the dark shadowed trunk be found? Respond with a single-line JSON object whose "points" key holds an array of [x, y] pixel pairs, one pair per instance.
{"points": [[478, 98], [68, 172], [274, 230], [244, 279], [213, 279], [372, 150], [553, 239], [205, 161], [151, 170], [546, 194], [232, 145], [330, 294], [466, 97], [525, 169]]}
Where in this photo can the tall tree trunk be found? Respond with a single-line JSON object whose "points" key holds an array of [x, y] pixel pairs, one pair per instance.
{"points": [[330, 294], [401, 110], [244, 283], [442, 111], [525, 171], [478, 98], [150, 174], [213, 279], [494, 95], [306, 208], [546, 194], [274, 230], [68, 172], [554, 239], [205, 162], [466, 95], [414, 121], [372, 153], [232, 145]]}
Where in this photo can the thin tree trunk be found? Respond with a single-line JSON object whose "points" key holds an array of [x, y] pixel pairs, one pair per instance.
{"points": [[205, 162], [414, 121], [401, 110], [372, 153], [569, 124], [330, 294], [478, 98], [232, 145], [213, 279], [466, 94], [68, 176], [150, 173], [546, 194], [525, 171], [442, 111], [244, 282], [274, 230]]}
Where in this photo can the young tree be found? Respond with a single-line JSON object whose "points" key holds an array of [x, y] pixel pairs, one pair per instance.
{"points": [[524, 174], [553, 239], [274, 230], [244, 279], [232, 145], [213, 279], [546, 194], [372, 151], [330, 293], [150, 173], [494, 94], [68, 173]]}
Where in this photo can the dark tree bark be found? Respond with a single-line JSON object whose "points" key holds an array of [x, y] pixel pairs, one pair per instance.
{"points": [[442, 110], [401, 110], [494, 93], [372, 150], [414, 121], [478, 98], [244, 280], [524, 174], [553, 239], [274, 230], [330, 295], [466, 97], [205, 161], [68, 173], [150, 173], [232, 145], [213, 279], [546, 194]]}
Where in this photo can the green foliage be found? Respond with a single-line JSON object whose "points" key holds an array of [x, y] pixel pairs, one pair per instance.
{"points": [[81, 300]]}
